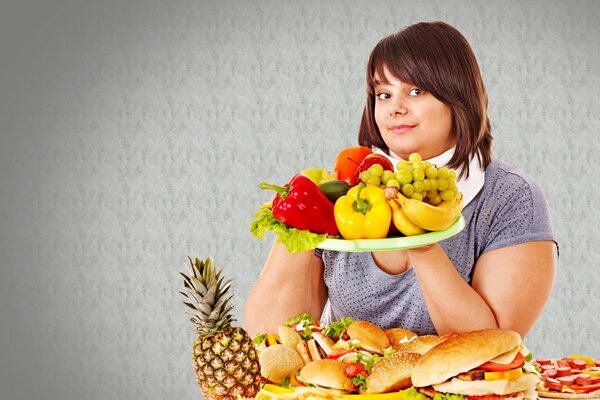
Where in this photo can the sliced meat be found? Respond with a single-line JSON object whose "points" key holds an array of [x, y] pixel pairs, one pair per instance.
{"points": [[473, 375]]}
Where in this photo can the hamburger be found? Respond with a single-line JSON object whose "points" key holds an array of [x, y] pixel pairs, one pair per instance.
{"points": [[328, 374], [480, 365]]}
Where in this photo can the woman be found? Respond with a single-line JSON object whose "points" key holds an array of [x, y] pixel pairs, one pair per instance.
{"points": [[425, 94]]}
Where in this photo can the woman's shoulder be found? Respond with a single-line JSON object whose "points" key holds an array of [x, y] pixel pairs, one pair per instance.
{"points": [[504, 180]]}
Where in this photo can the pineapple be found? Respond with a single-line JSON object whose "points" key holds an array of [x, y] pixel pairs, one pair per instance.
{"points": [[225, 359]]}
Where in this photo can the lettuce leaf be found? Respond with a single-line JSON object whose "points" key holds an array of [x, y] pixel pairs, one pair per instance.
{"points": [[449, 396], [412, 394], [335, 330], [295, 240]]}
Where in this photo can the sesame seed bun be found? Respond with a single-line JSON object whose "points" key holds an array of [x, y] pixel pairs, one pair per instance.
{"points": [[398, 335], [392, 373], [420, 344]]}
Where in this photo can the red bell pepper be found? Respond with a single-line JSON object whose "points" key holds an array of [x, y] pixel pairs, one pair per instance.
{"points": [[301, 205]]}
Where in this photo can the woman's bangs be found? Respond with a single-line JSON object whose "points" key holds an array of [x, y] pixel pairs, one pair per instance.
{"points": [[389, 54]]}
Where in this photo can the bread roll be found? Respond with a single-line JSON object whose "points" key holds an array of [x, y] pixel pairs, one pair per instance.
{"points": [[420, 344], [371, 337], [462, 353], [392, 373], [398, 335], [327, 373], [278, 361]]}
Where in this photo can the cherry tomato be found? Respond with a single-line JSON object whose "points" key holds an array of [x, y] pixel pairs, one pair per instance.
{"points": [[347, 162], [353, 369], [492, 366]]}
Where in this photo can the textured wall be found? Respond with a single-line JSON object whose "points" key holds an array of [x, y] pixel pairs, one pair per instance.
{"points": [[135, 133]]}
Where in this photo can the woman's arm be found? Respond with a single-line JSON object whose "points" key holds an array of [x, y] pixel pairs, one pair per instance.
{"points": [[509, 289], [290, 284]]}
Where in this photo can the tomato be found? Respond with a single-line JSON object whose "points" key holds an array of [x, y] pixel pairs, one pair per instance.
{"points": [[353, 369], [486, 397], [492, 366], [337, 353], [347, 162]]}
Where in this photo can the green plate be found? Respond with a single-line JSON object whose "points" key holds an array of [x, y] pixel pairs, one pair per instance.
{"points": [[393, 243]]}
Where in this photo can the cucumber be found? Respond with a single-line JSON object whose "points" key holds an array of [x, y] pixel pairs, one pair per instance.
{"points": [[334, 189]]}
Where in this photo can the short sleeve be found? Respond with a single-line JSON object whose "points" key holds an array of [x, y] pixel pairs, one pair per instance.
{"points": [[518, 214]]}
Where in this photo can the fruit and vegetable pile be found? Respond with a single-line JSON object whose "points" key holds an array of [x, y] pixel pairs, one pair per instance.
{"points": [[364, 197]]}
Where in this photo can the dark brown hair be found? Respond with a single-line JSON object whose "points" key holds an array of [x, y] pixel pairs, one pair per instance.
{"points": [[435, 57]]}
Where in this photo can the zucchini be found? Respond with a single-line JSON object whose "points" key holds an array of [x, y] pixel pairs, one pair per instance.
{"points": [[334, 189]]}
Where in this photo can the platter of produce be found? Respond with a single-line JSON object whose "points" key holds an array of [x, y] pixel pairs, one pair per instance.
{"points": [[393, 243], [573, 377], [364, 204]]}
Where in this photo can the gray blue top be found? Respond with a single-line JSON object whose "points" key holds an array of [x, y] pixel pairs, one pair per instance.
{"points": [[509, 209]]}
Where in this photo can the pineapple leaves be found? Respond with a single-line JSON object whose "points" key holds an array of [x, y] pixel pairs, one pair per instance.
{"points": [[209, 297]]}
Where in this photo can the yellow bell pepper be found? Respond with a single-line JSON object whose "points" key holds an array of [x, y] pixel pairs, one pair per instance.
{"points": [[592, 372], [508, 375], [363, 213], [273, 339], [588, 360]]}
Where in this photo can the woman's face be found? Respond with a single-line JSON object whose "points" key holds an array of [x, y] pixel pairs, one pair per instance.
{"points": [[411, 120]]}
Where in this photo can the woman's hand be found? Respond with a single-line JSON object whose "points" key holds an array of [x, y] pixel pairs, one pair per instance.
{"points": [[290, 284]]}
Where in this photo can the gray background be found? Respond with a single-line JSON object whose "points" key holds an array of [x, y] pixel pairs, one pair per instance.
{"points": [[135, 133]]}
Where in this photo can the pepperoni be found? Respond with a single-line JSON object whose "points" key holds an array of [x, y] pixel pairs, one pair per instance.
{"points": [[597, 363], [546, 367], [550, 372], [578, 363], [563, 362], [563, 371], [589, 388], [583, 379], [567, 380], [553, 384]]}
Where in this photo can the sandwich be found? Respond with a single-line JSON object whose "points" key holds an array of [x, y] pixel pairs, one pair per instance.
{"points": [[480, 365], [328, 374], [419, 344], [391, 374]]}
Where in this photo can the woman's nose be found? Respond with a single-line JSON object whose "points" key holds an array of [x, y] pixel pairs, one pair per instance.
{"points": [[397, 107]]}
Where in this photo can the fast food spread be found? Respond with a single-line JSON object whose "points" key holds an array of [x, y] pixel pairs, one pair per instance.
{"points": [[358, 358], [306, 360]]}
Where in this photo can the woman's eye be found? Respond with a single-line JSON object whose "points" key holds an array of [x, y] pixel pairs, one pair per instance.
{"points": [[415, 92], [383, 96]]}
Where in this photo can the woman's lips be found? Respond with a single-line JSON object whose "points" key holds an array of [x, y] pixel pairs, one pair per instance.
{"points": [[401, 128]]}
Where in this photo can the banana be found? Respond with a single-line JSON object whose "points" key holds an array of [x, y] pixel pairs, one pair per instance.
{"points": [[402, 222], [429, 217]]}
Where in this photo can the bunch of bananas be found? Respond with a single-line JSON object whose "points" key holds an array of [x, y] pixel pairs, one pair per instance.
{"points": [[413, 217]]}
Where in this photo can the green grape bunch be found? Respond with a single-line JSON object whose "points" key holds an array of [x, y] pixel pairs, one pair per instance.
{"points": [[416, 179]]}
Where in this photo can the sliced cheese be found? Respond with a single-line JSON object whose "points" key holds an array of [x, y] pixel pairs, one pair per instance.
{"points": [[481, 387], [508, 357]]}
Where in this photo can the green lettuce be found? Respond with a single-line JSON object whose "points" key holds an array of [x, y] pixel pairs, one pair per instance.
{"points": [[412, 394], [335, 330], [295, 240]]}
